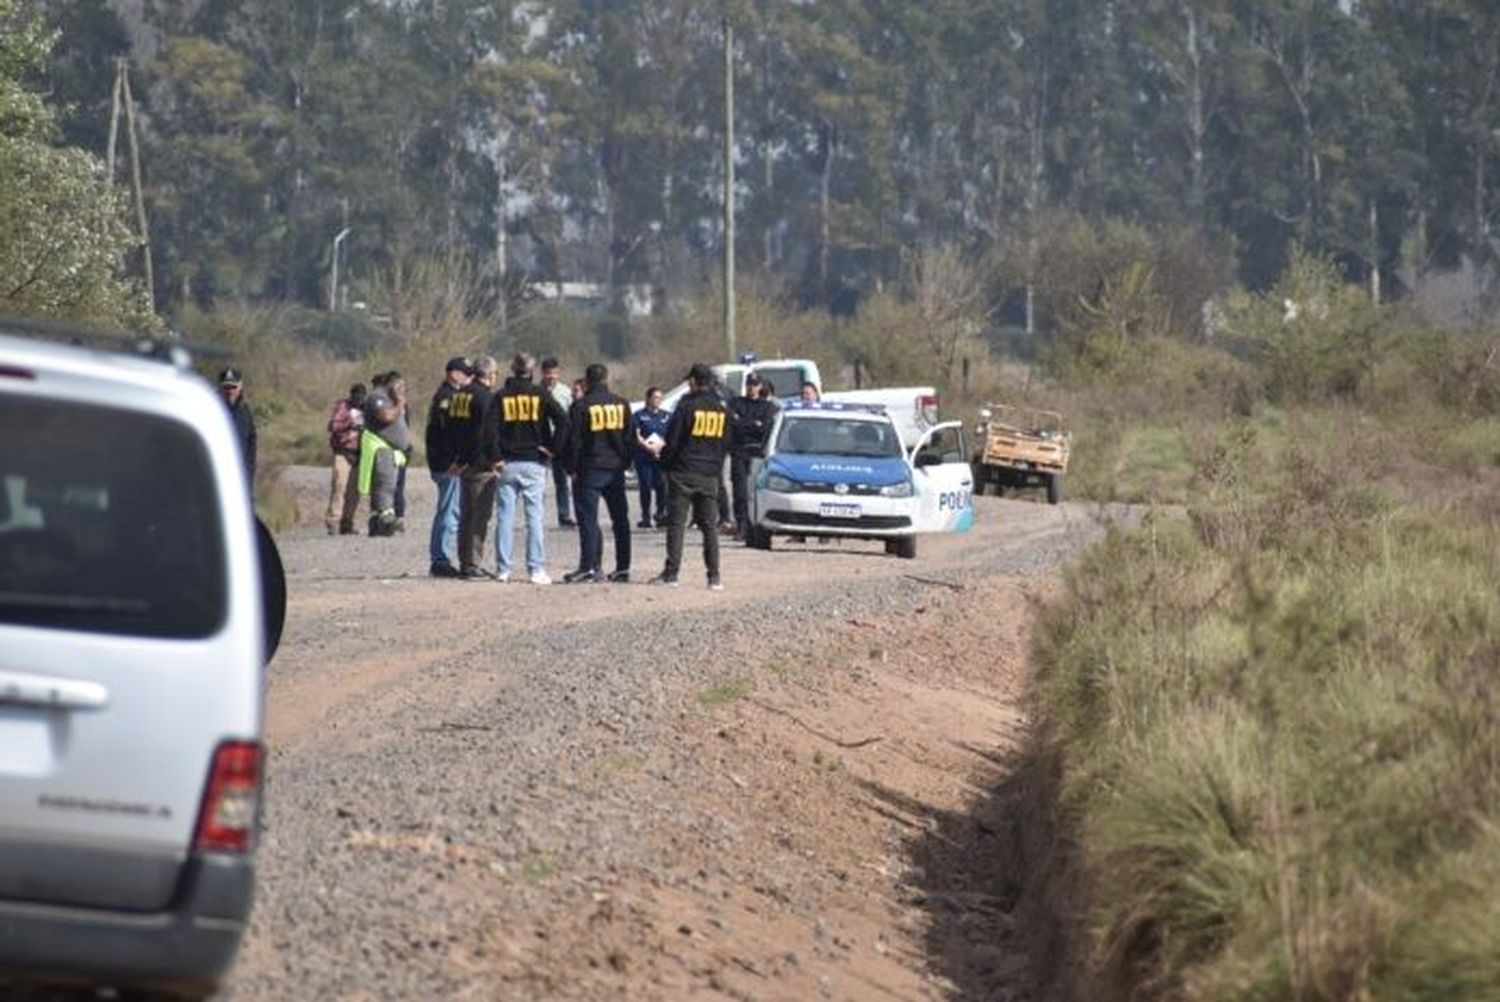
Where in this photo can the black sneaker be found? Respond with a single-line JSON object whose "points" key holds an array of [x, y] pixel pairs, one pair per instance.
{"points": [[665, 580], [618, 577], [569, 524], [475, 574], [644, 523], [442, 571], [715, 583], [582, 577]]}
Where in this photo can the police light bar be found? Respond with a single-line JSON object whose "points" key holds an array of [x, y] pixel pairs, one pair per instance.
{"points": [[833, 405]]}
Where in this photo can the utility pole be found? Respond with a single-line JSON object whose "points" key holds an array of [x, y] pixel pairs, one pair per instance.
{"points": [[729, 187], [333, 281], [121, 99]]}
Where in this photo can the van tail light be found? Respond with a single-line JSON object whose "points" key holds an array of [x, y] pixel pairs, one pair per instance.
{"points": [[927, 406], [232, 801]]}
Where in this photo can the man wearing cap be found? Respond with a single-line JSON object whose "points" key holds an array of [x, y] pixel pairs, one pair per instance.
{"points": [[693, 456], [232, 388], [443, 467], [751, 415]]}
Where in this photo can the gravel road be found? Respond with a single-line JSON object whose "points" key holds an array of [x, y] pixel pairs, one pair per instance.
{"points": [[465, 776]]}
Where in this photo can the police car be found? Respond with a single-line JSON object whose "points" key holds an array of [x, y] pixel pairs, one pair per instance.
{"points": [[839, 469]]}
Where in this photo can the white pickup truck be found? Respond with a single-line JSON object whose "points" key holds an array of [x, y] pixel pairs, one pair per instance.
{"points": [[913, 409]]}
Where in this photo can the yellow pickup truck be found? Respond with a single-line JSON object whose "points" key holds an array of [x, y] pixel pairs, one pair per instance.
{"points": [[1020, 447]]}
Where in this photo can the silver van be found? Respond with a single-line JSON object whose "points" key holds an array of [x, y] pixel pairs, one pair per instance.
{"points": [[139, 602]]}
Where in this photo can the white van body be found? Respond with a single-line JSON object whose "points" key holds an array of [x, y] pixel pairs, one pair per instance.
{"points": [[132, 651]]}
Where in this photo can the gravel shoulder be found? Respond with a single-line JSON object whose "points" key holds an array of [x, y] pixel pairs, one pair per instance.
{"points": [[486, 791]]}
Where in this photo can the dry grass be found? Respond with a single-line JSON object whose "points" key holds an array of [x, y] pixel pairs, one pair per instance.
{"points": [[1281, 743]]}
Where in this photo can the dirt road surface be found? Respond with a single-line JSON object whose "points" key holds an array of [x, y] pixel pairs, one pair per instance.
{"points": [[785, 790]]}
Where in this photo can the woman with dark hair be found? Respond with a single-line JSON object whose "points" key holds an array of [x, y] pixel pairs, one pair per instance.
{"points": [[648, 424], [345, 422]]}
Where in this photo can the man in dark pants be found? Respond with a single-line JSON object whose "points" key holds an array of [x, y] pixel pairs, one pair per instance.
{"points": [[598, 453], [562, 393], [697, 440], [476, 499], [752, 416], [232, 389]]}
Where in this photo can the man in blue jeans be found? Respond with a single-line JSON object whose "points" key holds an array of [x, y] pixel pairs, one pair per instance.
{"points": [[522, 432], [598, 452], [444, 470]]}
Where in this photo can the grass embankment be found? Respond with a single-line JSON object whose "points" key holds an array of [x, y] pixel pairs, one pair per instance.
{"points": [[1277, 717]]}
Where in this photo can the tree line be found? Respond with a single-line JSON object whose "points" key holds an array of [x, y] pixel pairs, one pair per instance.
{"points": [[582, 139]]}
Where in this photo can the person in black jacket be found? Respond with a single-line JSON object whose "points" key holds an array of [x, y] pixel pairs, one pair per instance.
{"points": [[444, 471], [476, 503], [751, 415], [232, 388], [599, 448], [523, 430], [697, 440]]}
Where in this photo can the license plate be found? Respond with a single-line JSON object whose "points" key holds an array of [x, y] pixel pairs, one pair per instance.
{"points": [[830, 510]]}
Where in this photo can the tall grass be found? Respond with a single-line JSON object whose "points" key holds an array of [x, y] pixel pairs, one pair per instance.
{"points": [[1277, 715]]}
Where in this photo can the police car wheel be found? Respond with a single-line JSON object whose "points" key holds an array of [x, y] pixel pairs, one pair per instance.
{"points": [[904, 547]]}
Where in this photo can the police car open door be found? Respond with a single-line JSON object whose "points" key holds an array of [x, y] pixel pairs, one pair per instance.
{"points": [[942, 480]]}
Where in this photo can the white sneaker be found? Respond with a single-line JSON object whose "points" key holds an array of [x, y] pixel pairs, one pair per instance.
{"points": [[503, 577], [540, 578]]}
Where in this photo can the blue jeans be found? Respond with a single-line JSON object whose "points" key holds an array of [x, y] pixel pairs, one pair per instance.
{"points": [[525, 481], [591, 486], [444, 538], [652, 480]]}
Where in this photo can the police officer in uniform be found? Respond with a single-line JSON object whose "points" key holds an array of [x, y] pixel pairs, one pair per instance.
{"points": [[523, 430], [598, 453], [693, 456], [476, 500], [232, 389]]}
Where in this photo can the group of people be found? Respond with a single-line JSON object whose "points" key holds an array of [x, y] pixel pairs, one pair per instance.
{"points": [[369, 433], [490, 445]]}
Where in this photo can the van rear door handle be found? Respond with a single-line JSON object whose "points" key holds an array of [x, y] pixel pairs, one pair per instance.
{"points": [[46, 692]]}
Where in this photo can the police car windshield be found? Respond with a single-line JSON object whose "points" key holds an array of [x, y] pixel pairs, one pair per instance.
{"points": [[824, 436], [108, 523]]}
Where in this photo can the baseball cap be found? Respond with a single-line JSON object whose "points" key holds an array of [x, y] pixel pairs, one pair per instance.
{"points": [[230, 377], [701, 373], [753, 379], [460, 364]]}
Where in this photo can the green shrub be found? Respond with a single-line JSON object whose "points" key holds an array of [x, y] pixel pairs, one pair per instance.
{"points": [[1313, 335], [1282, 746]]}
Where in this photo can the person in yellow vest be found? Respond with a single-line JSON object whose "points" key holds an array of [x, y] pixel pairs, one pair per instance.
{"points": [[383, 446]]}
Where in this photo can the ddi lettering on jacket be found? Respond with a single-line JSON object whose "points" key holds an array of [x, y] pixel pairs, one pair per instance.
{"points": [[461, 406], [708, 424], [521, 409], [606, 417]]}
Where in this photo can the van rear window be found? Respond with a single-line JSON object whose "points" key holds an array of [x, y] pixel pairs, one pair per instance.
{"points": [[109, 522]]}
